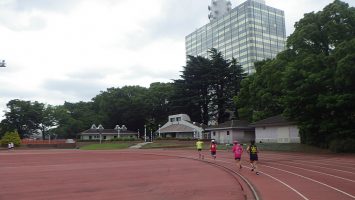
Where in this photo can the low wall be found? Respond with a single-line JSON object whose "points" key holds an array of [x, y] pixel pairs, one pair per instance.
{"points": [[56, 146]]}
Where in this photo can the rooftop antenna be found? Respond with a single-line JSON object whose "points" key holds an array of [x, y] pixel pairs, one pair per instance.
{"points": [[2, 63]]}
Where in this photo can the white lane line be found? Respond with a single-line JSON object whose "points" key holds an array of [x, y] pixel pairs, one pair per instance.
{"points": [[316, 172], [321, 163], [276, 179], [285, 185], [339, 170], [336, 189], [342, 162]]}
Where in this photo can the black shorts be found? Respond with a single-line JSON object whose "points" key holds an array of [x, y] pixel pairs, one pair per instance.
{"points": [[237, 158], [199, 149], [213, 153], [253, 157]]}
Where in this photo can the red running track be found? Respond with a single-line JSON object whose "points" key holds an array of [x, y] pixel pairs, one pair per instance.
{"points": [[298, 176], [104, 175], [143, 174]]}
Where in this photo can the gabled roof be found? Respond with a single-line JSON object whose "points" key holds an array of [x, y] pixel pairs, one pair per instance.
{"points": [[201, 125], [232, 124], [177, 128], [277, 120], [106, 132]]}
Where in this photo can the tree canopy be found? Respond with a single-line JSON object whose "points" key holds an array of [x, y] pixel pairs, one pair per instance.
{"points": [[311, 82]]}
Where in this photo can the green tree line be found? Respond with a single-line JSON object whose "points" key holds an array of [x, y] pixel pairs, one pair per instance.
{"points": [[311, 82]]}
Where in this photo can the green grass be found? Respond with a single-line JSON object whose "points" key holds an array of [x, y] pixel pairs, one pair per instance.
{"points": [[282, 147], [163, 145], [105, 146]]}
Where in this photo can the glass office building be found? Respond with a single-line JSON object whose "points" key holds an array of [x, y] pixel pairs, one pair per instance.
{"points": [[250, 32]]}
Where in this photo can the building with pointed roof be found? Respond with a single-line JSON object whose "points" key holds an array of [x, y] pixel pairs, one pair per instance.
{"points": [[94, 133], [181, 126]]}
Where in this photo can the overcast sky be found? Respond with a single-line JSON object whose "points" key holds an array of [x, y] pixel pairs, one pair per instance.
{"points": [[70, 50]]}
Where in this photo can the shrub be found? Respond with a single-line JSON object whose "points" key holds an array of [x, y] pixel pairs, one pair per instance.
{"points": [[11, 137], [343, 145]]}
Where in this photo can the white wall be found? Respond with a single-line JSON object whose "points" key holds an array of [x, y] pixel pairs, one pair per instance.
{"points": [[277, 134], [240, 135]]}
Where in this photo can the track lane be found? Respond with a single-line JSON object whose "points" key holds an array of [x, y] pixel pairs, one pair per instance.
{"points": [[304, 182]]}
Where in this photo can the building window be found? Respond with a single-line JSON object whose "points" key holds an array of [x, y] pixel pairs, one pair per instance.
{"points": [[178, 119], [172, 119], [227, 132], [214, 133]]}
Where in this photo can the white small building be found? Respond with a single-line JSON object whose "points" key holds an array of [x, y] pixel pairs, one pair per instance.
{"points": [[106, 134], [229, 131], [181, 126], [276, 129]]}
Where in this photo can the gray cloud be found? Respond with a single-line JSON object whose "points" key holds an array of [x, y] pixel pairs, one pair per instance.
{"points": [[15, 93], [84, 89], [13, 11], [47, 5], [179, 18]]}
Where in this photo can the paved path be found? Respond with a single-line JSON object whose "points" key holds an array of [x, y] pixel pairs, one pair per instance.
{"points": [[138, 146]]}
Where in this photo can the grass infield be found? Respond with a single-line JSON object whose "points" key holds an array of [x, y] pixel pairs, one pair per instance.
{"points": [[282, 147], [106, 146]]}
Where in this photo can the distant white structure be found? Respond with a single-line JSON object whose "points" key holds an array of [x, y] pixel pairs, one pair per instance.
{"points": [[181, 126], [276, 129], [218, 8]]}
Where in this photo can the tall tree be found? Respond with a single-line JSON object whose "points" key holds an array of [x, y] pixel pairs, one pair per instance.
{"points": [[23, 116], [194, 87], [237, 75], [220, 68], [318, 93], [123, 106], [158, 98]]}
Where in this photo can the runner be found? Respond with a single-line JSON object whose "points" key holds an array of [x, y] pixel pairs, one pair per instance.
{"points": [[238, 151], [199, 145], [213, 149], [253, 151]]}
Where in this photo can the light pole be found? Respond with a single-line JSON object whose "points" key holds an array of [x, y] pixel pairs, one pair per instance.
{"points": [[118, 130], [159, 130], [194, 133], [151, 135], [100, 128], [145, 133]]}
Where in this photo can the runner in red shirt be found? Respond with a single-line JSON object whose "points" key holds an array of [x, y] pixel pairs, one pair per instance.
{"points": [[213, 148]]}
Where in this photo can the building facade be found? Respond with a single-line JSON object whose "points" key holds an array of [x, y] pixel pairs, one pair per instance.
{"points": [[276, 129], [100, 133], [250, 32], [230, 131], [181, 126]]}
